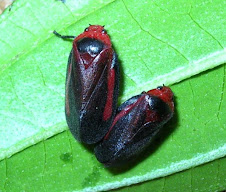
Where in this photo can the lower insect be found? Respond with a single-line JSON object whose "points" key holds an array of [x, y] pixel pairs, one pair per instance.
{"points": [[137, 122]]}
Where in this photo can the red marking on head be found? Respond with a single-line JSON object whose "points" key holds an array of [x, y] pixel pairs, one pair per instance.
{"points": [[110, 94], [95, 32], [164, 93]]}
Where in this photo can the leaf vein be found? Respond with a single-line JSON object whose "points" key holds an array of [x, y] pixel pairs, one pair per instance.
{"points": [[27, 30], [130, 78], [153, 36], [193, 97], [157, 5], [44, 83], [16, 117], [69, 10], [191, 179], [164, 185], [7, 44], [207, 32], [71, 150], [222, 95], [163, 10], [43, 79], [44, 166], [144, 63], [12, 12], [6, 173], [20, 99], [37, 20]]}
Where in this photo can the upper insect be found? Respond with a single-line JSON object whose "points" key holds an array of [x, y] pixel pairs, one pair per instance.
{"points": [[92, 85]]}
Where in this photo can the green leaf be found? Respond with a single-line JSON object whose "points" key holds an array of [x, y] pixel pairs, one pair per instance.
{"points": [[188, 180], [158, 42]]}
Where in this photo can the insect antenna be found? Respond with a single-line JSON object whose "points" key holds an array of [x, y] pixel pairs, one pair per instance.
{"points": [[63, 36]]}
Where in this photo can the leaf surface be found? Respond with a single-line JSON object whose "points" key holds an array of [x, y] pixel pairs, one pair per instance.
{"points": [[157, 43]]}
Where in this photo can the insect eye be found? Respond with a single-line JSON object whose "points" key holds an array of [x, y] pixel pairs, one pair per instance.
{"points": [[159, 87], [104, 31], [86, 29]]}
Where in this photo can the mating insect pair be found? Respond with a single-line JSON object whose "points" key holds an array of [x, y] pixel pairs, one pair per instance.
{"points": [[92, 87]]}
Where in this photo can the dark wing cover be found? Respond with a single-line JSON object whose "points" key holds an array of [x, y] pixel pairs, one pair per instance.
{"points": [[87, 95], [129, 136], [71, 102]]}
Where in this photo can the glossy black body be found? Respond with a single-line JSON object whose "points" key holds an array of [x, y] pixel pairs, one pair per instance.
{"points": [[137, 122], [92, 85]]}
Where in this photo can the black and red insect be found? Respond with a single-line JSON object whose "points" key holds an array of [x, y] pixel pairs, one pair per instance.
{"points": [[137, 122], [92, 85]]}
